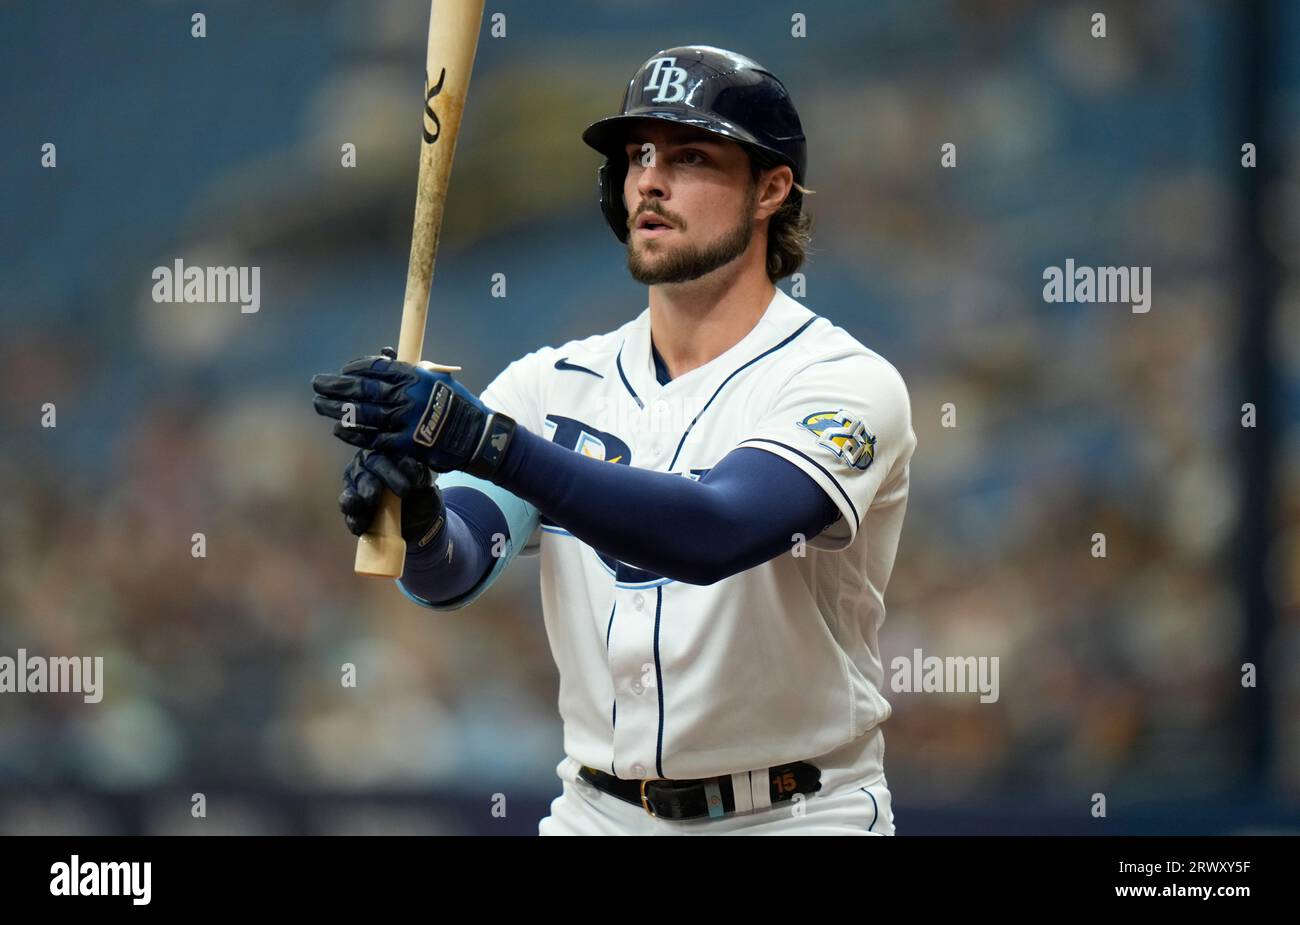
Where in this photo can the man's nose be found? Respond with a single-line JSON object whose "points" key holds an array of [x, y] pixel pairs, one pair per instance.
{"points": [[652, 183]]}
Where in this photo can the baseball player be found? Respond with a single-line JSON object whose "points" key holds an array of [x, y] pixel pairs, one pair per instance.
{"points": [[716, 488]]}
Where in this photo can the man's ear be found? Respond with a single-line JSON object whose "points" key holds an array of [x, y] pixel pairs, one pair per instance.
{"points": [[774, 187]]}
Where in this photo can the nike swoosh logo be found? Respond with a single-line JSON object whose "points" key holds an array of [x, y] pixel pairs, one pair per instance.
{"points": [[563, 363]]}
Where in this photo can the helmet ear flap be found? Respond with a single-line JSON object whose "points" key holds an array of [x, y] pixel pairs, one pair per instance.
{"points": [[609, 179]]}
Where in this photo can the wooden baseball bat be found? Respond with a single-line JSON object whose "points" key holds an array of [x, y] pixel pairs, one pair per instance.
{"points": [[453, 39]]}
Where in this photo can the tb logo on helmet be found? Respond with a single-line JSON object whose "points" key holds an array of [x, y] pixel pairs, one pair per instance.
{"points": [[665, 77]]}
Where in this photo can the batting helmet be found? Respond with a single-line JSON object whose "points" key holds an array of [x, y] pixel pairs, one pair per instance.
{"points": [[709, 88]]}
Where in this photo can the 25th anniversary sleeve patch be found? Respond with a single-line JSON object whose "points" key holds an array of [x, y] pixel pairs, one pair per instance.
{"points": [[845, 436]]}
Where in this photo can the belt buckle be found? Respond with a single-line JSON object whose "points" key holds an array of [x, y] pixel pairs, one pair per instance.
{"points": [[645, 799]]}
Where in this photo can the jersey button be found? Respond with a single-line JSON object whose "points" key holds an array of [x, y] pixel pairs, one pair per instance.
{"points": [[638, 688], [638, 601], [638, 770]]}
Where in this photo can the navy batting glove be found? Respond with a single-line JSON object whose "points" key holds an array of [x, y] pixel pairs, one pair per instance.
{"points": [[403, 410], [364, 481]]}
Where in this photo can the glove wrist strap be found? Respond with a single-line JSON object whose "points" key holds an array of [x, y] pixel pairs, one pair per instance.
{"points": [[492, 446], [424, 533]]}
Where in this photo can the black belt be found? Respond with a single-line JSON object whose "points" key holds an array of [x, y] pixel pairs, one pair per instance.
{"points": [[702, 797]]}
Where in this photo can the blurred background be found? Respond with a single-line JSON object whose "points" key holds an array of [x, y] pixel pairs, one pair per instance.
{"points": [[1119, 675]]}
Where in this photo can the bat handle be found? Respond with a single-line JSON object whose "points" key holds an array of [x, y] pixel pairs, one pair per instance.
{"points": [[381, 552]]}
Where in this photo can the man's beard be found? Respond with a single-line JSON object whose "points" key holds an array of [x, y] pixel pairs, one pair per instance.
{"points": [[683, 264]]}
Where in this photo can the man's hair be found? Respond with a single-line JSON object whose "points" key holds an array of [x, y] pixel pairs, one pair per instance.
{"points": [[789, 232]]}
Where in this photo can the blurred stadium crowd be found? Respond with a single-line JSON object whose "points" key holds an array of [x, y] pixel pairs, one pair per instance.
{"points": [[1118, 674]]}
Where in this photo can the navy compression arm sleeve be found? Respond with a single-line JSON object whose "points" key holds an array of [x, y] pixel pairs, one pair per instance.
{"points": [[472, 520], [742, 513]]}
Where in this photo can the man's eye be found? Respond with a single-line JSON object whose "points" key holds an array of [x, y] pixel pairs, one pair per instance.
{"points": [[691, 157]]}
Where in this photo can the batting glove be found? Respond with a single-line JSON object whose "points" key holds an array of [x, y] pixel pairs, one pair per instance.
{"points": [[364, 481], [400, 410]]}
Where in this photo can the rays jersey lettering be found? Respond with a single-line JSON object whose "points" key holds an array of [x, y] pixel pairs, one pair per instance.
{"points": [[598, 444], [587, 440]]}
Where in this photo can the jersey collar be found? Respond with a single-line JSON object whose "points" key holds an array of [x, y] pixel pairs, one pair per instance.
{"points": [[782, 317]]}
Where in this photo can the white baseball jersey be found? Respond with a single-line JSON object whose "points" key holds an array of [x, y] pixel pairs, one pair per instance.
{"points": [[778, 663]]}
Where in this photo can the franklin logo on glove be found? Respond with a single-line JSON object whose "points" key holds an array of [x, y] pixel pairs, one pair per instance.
{"points": [[427, 431]]}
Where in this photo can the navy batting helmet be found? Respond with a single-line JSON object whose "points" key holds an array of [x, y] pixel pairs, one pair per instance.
{"points": [[708, 88]]}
